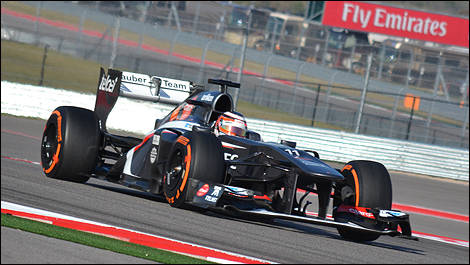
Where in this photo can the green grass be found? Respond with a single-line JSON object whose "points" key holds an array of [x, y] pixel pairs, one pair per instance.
{"points": [[98, 241], [22, 63], [273, 72], [59, 73], [260, 112]]}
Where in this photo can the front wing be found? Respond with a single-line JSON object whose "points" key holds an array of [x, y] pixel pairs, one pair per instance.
{"points": [[245, 203]]}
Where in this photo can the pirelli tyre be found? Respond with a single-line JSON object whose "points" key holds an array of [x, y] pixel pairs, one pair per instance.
{"points": [[70, 144], [198, 155], [369, 186]]}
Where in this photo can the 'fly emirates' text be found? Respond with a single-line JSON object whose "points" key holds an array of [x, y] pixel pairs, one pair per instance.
{"points": [[401, 22]]}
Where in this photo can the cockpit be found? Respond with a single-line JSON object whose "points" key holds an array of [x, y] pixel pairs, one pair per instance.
{"points": [[203, 108]]}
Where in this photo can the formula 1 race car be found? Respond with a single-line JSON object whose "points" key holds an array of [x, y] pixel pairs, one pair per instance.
{"points": [[201, 155]]}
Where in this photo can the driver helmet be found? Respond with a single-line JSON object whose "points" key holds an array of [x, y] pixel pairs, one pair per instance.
{"points": [[231, 123]]}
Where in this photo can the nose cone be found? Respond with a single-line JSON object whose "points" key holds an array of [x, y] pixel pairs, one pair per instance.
{"points": [[316, 168]]}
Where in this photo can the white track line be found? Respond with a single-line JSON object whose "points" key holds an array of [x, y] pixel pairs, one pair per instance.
{"points": [[221, 256]]}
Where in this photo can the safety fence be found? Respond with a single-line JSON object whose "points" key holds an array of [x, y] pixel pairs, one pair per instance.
{"points": [[403, 62], [394, 154], [314, 91], [34, 101], [386, 114]]}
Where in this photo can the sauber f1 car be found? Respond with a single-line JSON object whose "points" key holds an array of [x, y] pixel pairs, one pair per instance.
{"points": [[191, 165]]}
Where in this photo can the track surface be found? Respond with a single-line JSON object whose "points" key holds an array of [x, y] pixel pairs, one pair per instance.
{"points": [[43, 249], [280, 241]]}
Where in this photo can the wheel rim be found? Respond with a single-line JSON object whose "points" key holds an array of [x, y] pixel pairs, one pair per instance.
{"points": [[175, 170], [49, 145]]}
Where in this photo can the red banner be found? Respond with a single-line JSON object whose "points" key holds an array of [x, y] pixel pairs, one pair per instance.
{"points": [[396, 22]]}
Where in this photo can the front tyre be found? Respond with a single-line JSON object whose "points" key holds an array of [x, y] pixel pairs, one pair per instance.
{"points": [[70, 144], [198, 156], [370, 186]]}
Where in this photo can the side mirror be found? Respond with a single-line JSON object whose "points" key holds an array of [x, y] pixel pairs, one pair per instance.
{"points": [[252, 135], [315, 153], [157, 123], [289, 143]]}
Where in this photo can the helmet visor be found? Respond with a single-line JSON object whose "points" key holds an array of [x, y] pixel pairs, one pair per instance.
{"points": [[233, 127]]}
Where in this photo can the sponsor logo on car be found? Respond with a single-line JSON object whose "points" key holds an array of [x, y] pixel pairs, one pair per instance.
{"points": [[216, 191], [174, 84], [237, 190], [207, 97], [178, 124], [362, 213], [135, 78], [389, 213], [215, 194], [356, 210], [210, 198], [156, 139], [183, 140], [229, 156], [203, 190], [107, 84], [153, 155]]}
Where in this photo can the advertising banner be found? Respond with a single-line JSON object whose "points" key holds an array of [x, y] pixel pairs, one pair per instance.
{"points": [[397, 22]]}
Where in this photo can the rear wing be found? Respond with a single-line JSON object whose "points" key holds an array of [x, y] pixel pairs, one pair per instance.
{"points": [[154, 88], [138, 86]]}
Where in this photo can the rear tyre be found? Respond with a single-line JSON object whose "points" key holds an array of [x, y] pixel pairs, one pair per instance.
{"points": [[198, 156], [70, 144], [370, 186]]}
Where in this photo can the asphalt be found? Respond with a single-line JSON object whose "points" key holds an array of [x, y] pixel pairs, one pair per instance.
{"points": [[20, 247]]}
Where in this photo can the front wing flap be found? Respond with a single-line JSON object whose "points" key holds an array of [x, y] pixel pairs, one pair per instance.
{"points": [[311, 220], [243, 203]]}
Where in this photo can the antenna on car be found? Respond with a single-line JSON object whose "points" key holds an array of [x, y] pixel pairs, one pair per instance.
{"points": [[223, 84]]}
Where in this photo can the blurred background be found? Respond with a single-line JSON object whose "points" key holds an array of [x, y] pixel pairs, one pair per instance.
{"points": [[294, 69]]}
